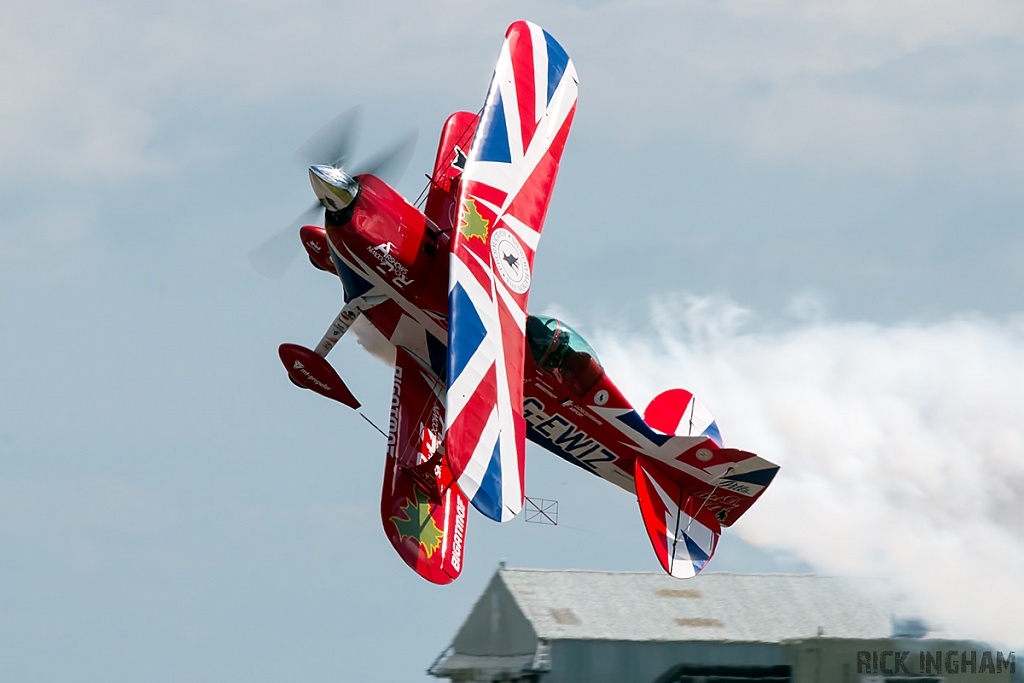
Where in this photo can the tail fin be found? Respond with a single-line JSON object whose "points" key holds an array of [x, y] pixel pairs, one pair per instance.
{"points": [[684, 533], [680, 413]]}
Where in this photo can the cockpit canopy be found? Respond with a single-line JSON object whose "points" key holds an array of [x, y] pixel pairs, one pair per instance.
{"points": [[560, 351]]}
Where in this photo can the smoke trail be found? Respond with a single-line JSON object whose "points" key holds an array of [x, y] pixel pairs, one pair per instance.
{"points": [[902, 447]]}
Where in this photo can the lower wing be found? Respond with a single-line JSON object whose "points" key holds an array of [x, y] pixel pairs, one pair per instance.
{"points": [[423, 510]]}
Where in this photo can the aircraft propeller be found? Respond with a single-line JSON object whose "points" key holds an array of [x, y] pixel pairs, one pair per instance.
{"points": [[333, 145], [272, 258]]}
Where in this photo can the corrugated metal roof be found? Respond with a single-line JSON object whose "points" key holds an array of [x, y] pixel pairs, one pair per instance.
{"points": [[641, 606]]}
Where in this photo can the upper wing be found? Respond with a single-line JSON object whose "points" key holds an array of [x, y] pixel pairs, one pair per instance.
{"points": [[506, 187]]}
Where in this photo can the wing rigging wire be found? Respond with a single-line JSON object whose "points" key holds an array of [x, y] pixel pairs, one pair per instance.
{"points": [[447, 162], [372, 424]]}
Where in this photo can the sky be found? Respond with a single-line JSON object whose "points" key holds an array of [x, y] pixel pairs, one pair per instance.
{"points": [[805, 212]]}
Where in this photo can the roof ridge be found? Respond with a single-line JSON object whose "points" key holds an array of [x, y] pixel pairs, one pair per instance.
{"points": [[656, 573]]}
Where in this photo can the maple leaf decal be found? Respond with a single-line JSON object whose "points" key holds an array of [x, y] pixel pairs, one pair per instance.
{"points": [[472, 224], [418, 524]]}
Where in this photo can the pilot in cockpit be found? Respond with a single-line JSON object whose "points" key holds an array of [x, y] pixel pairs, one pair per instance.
{"points": [[560, 351]]}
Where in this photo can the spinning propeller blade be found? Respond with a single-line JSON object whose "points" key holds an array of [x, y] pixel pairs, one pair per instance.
{"points": [[272, 258], [334, 143], [389, 164]]}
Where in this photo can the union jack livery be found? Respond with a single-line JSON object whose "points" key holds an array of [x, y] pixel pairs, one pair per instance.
{"points": [[441, 288], [506, 187]]}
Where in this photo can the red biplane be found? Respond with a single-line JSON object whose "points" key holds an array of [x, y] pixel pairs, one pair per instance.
{"points": [[476, 376]]}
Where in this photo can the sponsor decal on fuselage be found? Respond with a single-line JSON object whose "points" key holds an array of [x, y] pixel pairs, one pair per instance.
{"points": [[396, 400], [564, 437], [389, 265]]}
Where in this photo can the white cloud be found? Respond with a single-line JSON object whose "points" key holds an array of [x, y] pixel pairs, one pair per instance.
{"points": [[902, 447], [919, 22], [91, 91], [769, 81]]}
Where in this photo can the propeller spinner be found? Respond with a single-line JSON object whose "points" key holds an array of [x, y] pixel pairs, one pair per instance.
{"points": [[335, 189]]}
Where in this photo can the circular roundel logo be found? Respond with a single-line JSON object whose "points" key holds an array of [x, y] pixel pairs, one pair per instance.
{"points": [[704, 455], [601, 397], [510, 260]]}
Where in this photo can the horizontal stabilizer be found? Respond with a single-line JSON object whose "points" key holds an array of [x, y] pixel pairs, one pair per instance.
{"points": [[729, 479], [683, 532]]}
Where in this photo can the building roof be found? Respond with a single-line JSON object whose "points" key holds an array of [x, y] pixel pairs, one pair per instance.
{"points": [[642, 606]]}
